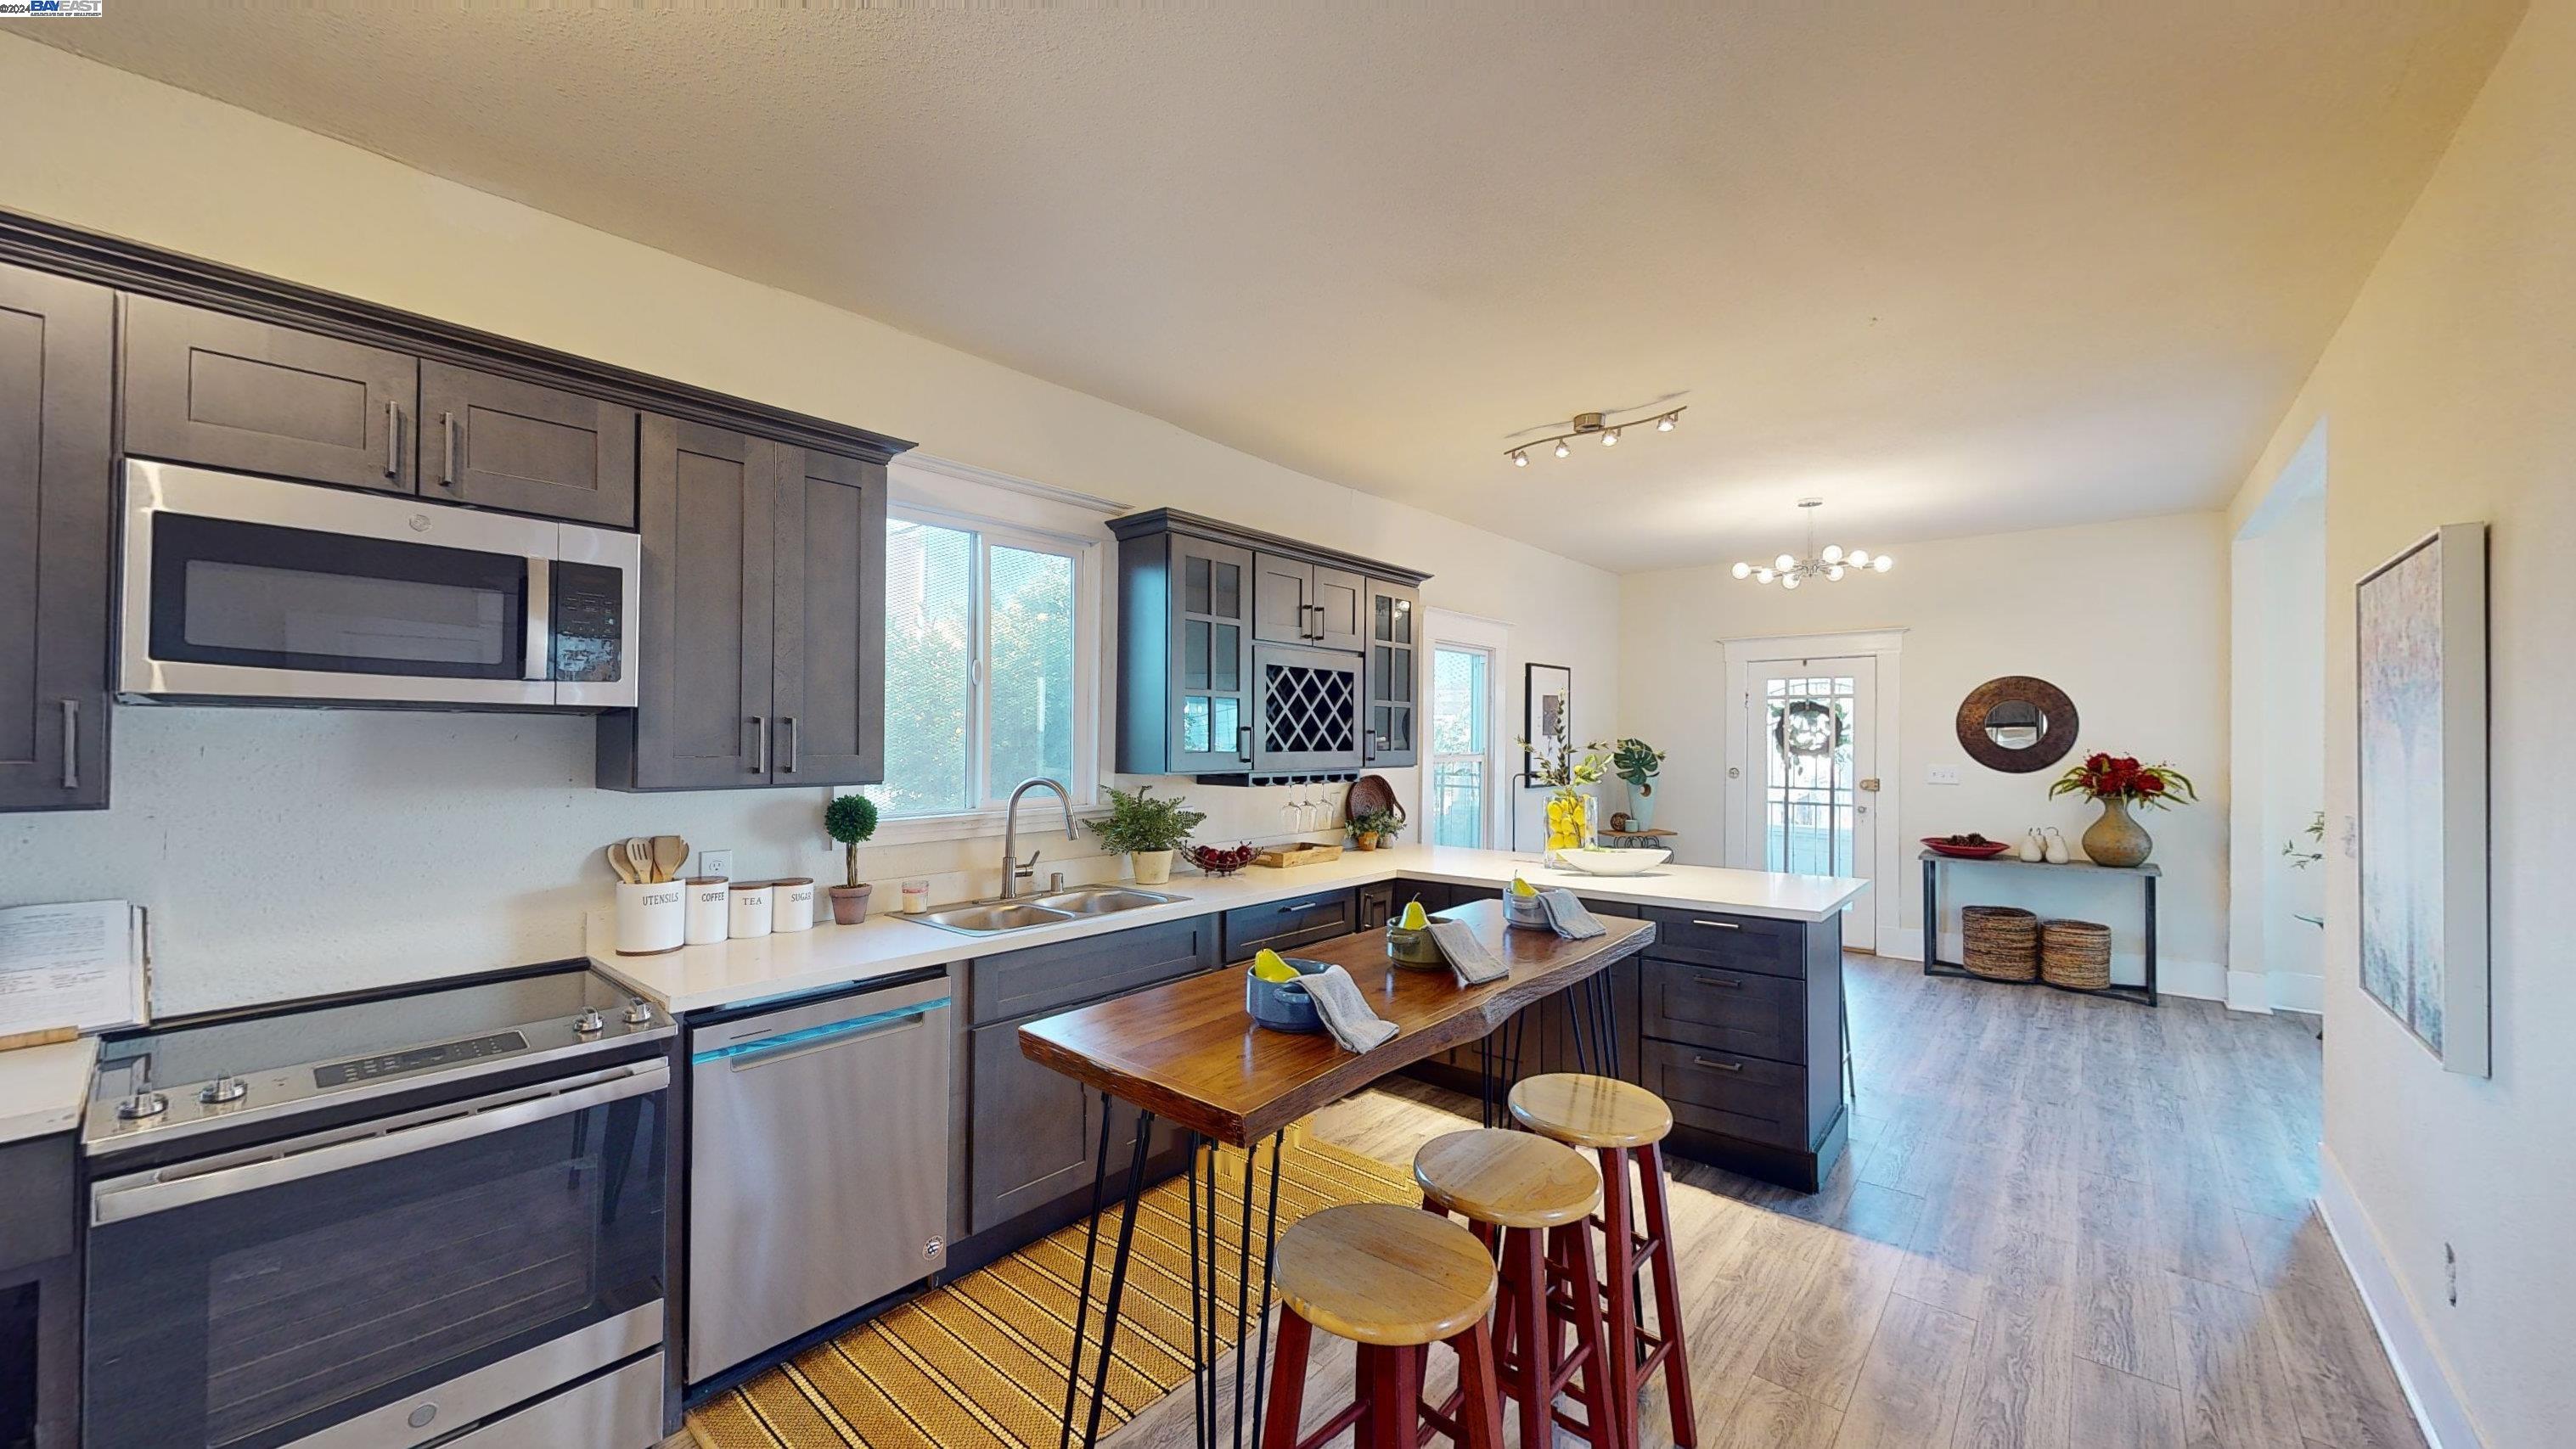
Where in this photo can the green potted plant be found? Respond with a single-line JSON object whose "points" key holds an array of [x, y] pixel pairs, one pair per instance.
{"points": [[1637, 763], [850, 819], [1146, 830], [1373, 828]]}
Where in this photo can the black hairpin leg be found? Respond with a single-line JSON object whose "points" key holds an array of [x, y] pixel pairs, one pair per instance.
{"points": [[1200, 1368], [1269, 1264], [1117, 1275]]}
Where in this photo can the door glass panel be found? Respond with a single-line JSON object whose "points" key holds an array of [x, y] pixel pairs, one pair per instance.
{"points": [[1399, 675], [1032, 673], [1227, 714], [1194, 653], [1811, 795], [1227, 600], [1195, 586], [1195, 724], [1403, 622], [1382, 618], [1225, 664], [1461, 760]]}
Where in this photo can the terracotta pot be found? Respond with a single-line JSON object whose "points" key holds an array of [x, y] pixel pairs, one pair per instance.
{"points": [[850, 904], [2116, 839], [1152, 867], [1364, 842]]}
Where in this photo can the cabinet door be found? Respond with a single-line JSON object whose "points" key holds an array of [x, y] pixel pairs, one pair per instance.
{"points": [[1393, 659], [1340, 598], [829, 630], [1377, 905], [503, 443], [1282, 598], [1030, 1139], [702, 716], [57, 496], [1212, 629], [1307, 710], [228, 392]]}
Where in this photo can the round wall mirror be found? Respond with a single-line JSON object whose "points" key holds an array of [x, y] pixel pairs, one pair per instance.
{"points": [[2017, 724]]}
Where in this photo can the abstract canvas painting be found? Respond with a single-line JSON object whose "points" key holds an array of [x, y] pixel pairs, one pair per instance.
{"points": [[2420, 627]]}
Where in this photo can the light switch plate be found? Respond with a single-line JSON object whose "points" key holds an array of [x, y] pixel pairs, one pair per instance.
{"points": [[1944, 775], [716, 862]]}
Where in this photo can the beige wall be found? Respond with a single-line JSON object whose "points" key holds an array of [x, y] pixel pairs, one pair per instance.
{"points": [[287, 853], [2450, 395], [2128, 618]]}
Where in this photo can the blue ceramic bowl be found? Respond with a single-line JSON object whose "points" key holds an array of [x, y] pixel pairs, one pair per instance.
{"points": [[1283, 1005]]}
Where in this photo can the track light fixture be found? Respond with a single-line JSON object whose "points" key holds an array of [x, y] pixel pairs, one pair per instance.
{"points": [[1586, 425]]}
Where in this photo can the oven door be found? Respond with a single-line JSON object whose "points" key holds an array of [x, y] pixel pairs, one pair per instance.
{"points": [[387, 1283]]}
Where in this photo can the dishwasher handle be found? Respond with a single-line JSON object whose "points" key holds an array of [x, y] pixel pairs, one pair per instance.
{"points": [[788, 1043]]}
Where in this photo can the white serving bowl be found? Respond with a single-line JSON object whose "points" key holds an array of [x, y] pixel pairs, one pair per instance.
{"points": [[1598, 861]]}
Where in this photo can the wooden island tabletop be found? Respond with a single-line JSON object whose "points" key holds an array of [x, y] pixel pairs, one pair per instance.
{"points": [[1188, 1051]]}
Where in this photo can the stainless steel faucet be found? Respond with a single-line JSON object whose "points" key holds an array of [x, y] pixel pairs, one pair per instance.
{"points": [[1013, 870]]}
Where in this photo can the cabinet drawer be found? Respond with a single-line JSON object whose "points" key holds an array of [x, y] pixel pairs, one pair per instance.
{"points": [[1715, 938], [1293, 922], [1724, 1092], [1046, 978], [1735, 1011]]}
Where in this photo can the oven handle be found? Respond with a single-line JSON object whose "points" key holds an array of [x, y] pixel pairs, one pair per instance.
{"points": [[151, 1192]]}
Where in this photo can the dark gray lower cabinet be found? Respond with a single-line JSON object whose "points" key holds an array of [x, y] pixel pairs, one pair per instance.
{"points": [[1033, 1129], [57, 520], [1285, 925], [228, 392], [1742, 1022], [39, 1295], [502, 443]]}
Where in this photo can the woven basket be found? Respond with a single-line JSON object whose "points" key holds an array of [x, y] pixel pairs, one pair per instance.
{"points": [[2075, 954], [2002, 942]]}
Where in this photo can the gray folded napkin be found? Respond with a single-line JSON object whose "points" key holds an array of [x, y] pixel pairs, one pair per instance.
{"points": [[1346, 1013], [1568, 916], [1469, 961]]}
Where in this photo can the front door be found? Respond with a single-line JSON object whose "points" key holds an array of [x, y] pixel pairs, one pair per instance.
{"points": [[1809, 746]]}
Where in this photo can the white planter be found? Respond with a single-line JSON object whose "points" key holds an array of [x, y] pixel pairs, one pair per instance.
{"points": [[1153, 867]]}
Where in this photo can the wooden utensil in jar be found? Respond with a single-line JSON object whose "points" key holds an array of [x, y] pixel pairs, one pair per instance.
{"points": [[617, 862], [670, 856]]}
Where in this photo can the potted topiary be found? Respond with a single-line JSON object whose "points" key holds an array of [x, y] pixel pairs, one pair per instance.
{"points": [[850, 819], [1146, 830], [1637, 762], [1375, 828]]}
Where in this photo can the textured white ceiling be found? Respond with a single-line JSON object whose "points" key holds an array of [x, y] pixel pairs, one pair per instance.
{"points": [[1956, 269]]}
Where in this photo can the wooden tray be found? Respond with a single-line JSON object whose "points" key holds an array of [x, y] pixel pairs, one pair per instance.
{"points": [[1283, 857]]}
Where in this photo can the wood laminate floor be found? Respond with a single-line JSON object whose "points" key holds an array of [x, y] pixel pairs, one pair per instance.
{"points": [[2061, 1222]]}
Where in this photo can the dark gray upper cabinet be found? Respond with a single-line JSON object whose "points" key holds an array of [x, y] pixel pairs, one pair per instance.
{"points": [[1241, 653], [763, 606], [503, 443], [57, 512], [1394, 657], [230, 392]]}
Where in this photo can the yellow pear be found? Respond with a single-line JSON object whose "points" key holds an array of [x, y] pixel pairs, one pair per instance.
{"points": [[1523, 888], [1271, 966], [1414, 918]]}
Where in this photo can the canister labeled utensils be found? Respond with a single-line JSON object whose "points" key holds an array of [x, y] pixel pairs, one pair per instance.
{"points": [[652, 917], [710, 916], [792, 907], [752, 908]]}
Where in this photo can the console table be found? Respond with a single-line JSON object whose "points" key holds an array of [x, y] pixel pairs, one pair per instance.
{"points": [[1933, 965]]}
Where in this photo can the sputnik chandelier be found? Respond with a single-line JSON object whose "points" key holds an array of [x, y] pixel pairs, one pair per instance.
{"points": [[1829, 563], [1593, 425]]}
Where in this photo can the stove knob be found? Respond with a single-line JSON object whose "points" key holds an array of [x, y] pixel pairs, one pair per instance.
{"points": [[590, 1023], [224, 1088], [144, 1103], [639, 1012]]}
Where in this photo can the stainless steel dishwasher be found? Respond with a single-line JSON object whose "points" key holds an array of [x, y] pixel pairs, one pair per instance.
{"points": [[818, 1172]]}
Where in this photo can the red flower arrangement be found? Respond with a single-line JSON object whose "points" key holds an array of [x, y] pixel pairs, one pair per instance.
{"points": [[2121, 777]]}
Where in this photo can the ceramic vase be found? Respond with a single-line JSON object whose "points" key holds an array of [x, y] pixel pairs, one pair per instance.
{"points": [[1570, 825], [2116, 839], [1152, 867], [1641, 809]]}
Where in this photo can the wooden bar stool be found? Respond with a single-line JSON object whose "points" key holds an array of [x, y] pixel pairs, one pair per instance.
{"points": [[1393, 1280], [1624, 1122], [1535, 1196]]}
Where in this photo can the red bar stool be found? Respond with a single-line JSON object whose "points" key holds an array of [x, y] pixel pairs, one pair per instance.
{"points": [[1535, 1196], [1393, 1280], [1624, 1123]]}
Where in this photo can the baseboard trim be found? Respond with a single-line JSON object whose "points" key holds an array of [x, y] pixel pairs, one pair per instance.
{"points": [[2429, 1391], [2249, 991], [2294, 991]]}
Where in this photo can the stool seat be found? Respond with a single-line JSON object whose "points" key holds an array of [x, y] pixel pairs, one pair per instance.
{"points": [[1377, 1273], [1589, 1111], [1509, 1179]]}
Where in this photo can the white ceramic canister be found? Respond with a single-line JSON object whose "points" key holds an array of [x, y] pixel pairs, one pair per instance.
{"points": [[794, 908], [752, 904], [709, 917], [651, 917]]}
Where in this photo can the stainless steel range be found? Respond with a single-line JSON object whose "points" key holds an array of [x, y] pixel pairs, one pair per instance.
{"points": [[431, 1217]]}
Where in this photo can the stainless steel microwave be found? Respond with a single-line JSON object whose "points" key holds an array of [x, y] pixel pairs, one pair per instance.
{"points": [[248, 590]]}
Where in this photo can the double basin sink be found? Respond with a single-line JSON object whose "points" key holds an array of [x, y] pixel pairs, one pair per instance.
{"points": [[992, 918]]}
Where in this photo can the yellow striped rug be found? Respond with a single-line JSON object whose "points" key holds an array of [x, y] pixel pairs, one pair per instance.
{"points": [[981, 1361]]}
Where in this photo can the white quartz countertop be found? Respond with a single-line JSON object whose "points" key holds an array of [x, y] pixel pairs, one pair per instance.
{"points": [[727, 973], [43, 1089]]}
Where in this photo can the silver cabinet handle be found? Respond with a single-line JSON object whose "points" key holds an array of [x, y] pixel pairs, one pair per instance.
{"points": [[1300, 906], [1708, 980], [393, 438], [789, 767], [71, 744], [1715, 1064], [541, 621], [791, 1045], [1716, 925], [760, 744], [447, 449]]}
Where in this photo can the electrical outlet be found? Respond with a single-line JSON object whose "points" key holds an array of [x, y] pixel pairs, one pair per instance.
{"points": [[1944, 775], [716, 862], [2451, 1274]]}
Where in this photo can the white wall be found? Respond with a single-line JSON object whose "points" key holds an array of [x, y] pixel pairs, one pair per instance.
{"points": [[286, 853], [2277, 708], [2450, 391], [2128, 618]]}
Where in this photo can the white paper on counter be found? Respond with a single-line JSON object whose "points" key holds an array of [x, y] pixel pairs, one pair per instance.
{"points": [[77, 965]]}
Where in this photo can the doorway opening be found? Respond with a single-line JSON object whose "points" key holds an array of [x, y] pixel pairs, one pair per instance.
{"points": [[2278, 834]]}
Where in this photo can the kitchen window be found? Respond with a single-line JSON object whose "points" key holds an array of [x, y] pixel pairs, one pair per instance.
{"points": [[991, 666]]}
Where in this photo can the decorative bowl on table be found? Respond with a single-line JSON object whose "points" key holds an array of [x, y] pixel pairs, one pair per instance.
{"points": [[1413, 950], [1220, 860], [1283, 1005], [1594, 860], [1965, 847]]}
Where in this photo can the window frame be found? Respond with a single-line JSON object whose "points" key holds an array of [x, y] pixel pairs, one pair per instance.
{"points": [[1089, 598]]}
